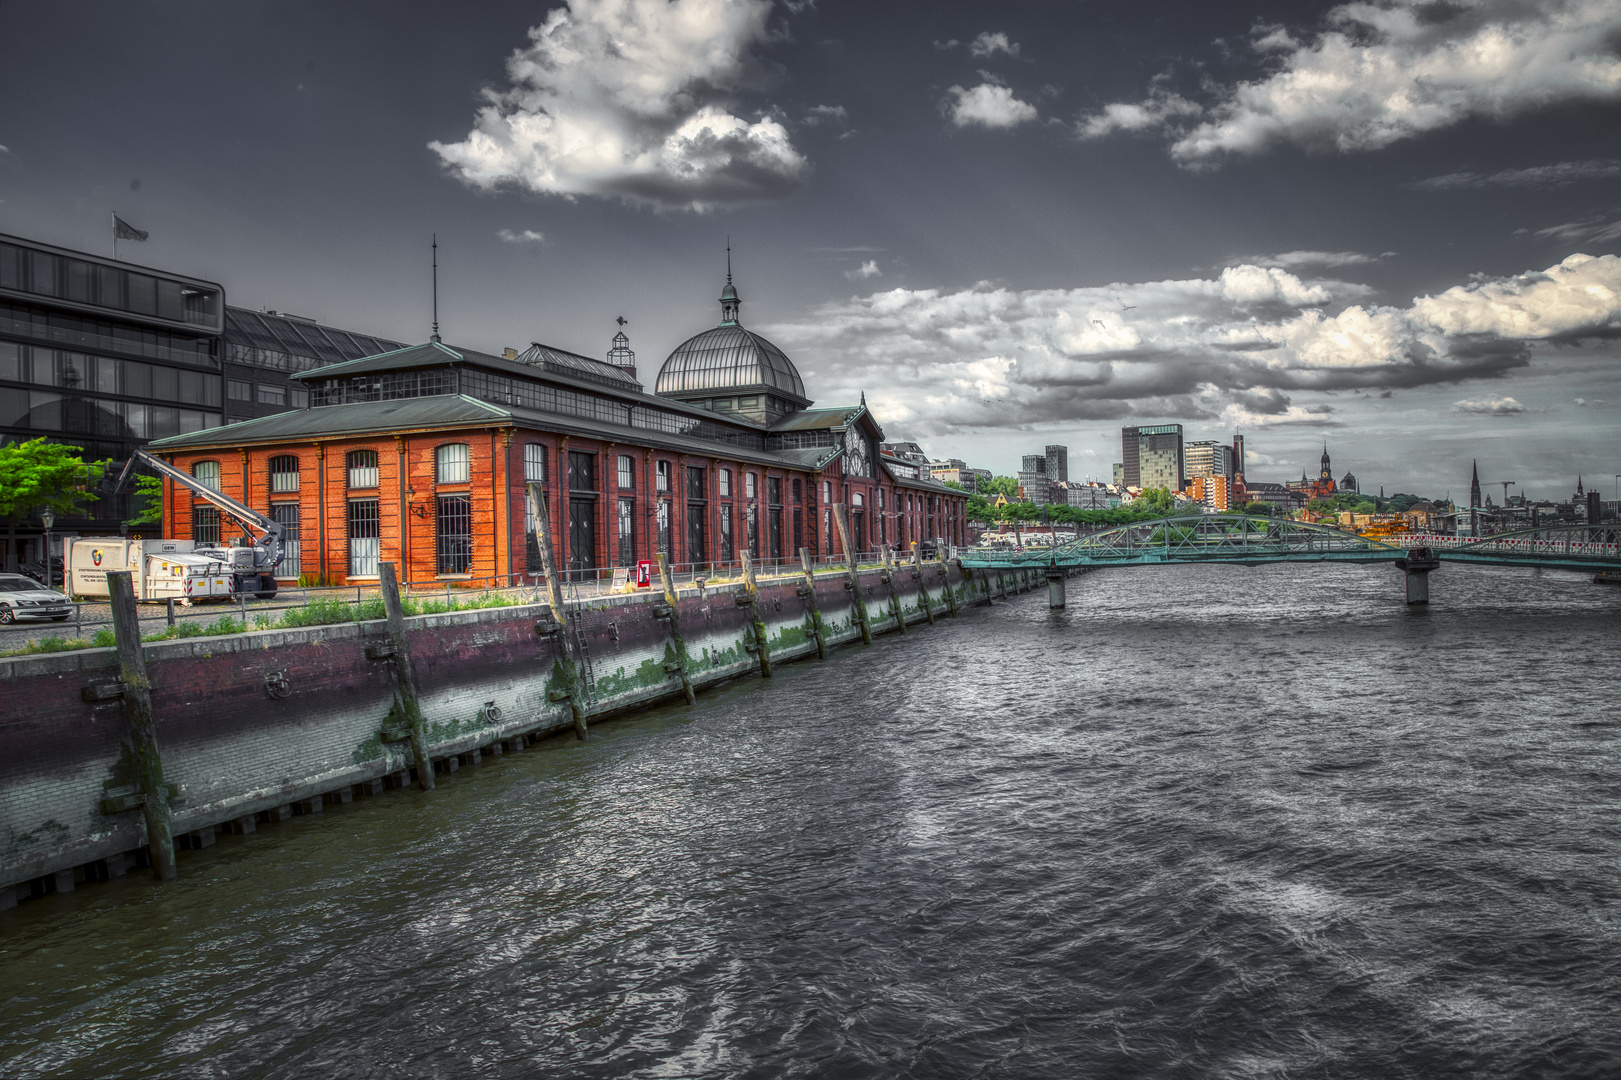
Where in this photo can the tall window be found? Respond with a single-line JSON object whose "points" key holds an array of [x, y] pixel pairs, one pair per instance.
{"points": [[774, 490], [452, 465], [362, 465], [883, 524], [534, 462], [751, 523], [454, 534], [627, 472], [364, 534], [662, 476], [664, 525], [827, 491], [286, 514], [726, 483], [627, 532], [727, 554], [207, 473], [748, 485], [205, 524], [283, 474], [697, 512]]}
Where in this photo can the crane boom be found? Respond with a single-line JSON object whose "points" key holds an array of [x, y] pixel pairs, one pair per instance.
{"points": [[267, 550]]}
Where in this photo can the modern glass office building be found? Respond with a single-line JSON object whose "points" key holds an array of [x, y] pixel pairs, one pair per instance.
{"points": [[105, 355], [265, 349]]}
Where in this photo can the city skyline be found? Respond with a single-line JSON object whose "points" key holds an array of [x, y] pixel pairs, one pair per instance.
{"points": [[1146, 225]]}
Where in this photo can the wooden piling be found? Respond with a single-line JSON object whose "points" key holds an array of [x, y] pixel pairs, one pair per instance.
{"points": [[137, 698], [407, 709], [811, 606], [855, 578], [675, 629], [923, 586], [752, 591], [541, 514], [888, 577]]}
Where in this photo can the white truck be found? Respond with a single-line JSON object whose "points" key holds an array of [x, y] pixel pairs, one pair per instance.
{"points": [[159, 569], [247, 568]]}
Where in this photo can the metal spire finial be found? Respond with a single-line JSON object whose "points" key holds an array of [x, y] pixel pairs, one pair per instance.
{"points": [[621, 320], [435, 286], [728, 259]]}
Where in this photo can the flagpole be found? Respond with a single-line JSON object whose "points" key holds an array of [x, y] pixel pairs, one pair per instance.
{"points": [[115, 236]]}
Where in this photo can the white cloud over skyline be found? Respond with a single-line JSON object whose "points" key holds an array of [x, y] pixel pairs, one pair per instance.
{"points": [[1381, 73], [1236, 346], [633, 99], [1490, 406], [989, 44]]}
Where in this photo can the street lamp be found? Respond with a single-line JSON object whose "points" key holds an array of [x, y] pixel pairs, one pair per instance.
{"points": [[48, 517]]}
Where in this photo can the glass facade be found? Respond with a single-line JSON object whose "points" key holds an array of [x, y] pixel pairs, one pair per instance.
{"points": [[727, 358], [104, 356]]}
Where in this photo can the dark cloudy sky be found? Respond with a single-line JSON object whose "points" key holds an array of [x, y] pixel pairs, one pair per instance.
{"points": [[1392, 225]]}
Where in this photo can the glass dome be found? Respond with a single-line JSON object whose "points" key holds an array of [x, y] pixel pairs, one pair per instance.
{"points": [[728, 358]]}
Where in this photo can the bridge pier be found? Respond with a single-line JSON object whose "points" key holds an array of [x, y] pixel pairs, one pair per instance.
{"points": [[1055, 588], [1417, 566]]}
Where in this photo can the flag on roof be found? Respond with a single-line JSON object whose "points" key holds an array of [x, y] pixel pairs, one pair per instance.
{"points": [[123, 230]]}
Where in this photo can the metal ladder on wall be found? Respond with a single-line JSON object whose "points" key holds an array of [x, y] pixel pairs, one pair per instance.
{"points": [[588, 673]]}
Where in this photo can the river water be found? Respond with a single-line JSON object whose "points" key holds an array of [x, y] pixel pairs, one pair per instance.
{"points": [[1203, 822]]}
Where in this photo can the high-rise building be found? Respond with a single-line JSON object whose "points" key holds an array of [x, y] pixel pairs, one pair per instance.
{"points": [[1238, 455], [1152, 456], [1209, 459], [104, 355], [1058, 464]]}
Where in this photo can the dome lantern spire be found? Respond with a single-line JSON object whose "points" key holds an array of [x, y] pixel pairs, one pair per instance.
{"points": [[730, 302]]}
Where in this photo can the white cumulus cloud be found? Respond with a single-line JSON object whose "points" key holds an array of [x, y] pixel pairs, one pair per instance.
{"points": [[987, 105], [524, 236], [989, 44], [1238, 346], [1387, 71], [632, 99], [1490, 406], [868, 269]]}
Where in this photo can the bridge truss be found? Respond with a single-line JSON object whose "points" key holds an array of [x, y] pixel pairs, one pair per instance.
{"points": [[1252, 541]]}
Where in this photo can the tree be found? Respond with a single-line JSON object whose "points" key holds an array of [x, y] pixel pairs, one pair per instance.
{"points": [[35, 475], [147, 501], [1001, 485], [1158, 500], [1257, 507], [953, 485]]}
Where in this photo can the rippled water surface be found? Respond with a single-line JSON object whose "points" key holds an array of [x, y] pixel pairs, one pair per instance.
{"points": [[1295, 830]]}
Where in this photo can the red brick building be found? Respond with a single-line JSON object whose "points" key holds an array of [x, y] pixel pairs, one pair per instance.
{"points": [[421, 456]]}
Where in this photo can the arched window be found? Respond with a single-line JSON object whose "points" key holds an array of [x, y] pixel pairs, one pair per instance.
{"points": [[207, 473], [534, 462], [857, 499], [451, 464], [283, 474], [362, 466]]}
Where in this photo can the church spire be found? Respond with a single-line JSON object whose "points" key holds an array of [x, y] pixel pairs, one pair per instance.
{"points": [[1474, 483]]}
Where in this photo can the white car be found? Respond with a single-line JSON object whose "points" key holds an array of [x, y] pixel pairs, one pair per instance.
{"points": [[25, 598]]}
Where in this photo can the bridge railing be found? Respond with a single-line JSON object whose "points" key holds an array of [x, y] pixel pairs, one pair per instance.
{"points": [[1577, 541]]}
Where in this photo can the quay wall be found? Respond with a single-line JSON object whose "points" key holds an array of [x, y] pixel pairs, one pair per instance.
{"points": [[257, 726]]}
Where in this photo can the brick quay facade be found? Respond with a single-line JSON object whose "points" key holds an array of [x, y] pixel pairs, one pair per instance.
{"points": [[422, 456]]}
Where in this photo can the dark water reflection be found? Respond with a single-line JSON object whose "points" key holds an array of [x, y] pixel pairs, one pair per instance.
{"points": [[1297, 831]]}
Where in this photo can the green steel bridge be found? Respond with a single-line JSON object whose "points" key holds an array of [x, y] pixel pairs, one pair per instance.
{"points": [[1252, 541]]}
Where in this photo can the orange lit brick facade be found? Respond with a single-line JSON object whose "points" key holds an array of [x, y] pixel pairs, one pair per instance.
{"points": [[611, 503]]}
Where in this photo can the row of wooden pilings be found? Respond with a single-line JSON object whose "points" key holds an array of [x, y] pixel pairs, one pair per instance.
{"points": [[405, 721]]}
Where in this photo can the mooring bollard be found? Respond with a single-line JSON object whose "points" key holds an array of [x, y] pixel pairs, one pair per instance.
{"points": [[811, 607], [752, 591], [676, 639], [171, 613], [540, 514], [137, 698], [405, 689], [855, 578]]}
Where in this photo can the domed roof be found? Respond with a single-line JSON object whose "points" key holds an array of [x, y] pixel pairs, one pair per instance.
{"points": [[727, 357]]}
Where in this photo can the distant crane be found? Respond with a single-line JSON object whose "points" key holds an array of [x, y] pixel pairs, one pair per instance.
{"points": [[1506, 485]]}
